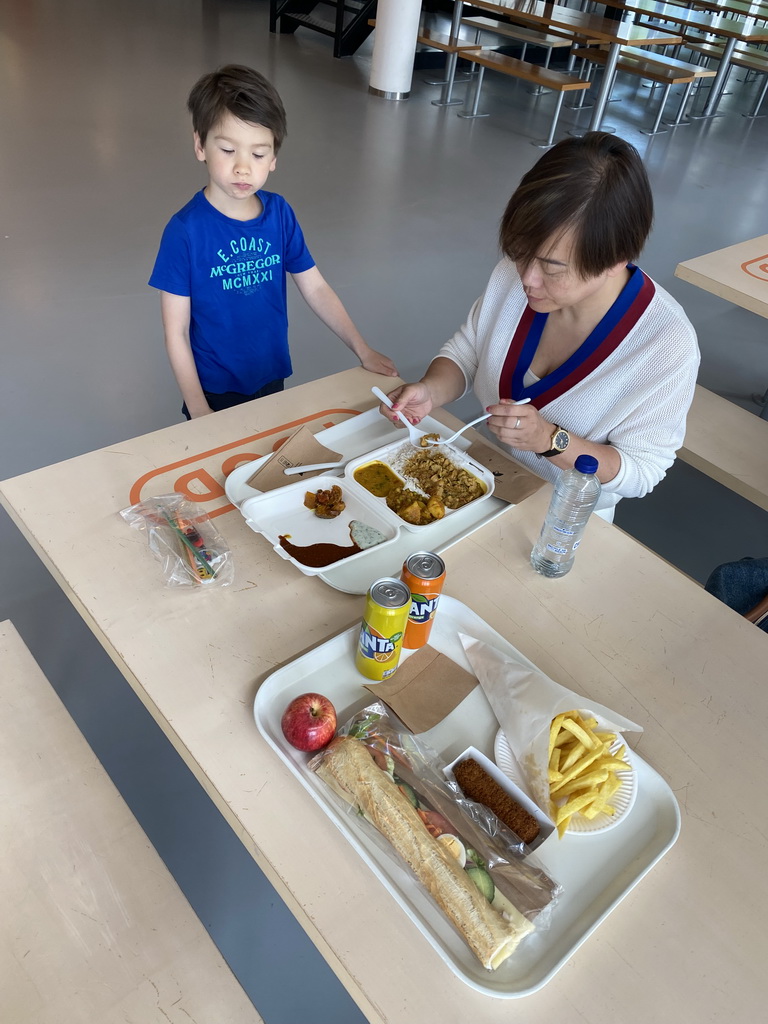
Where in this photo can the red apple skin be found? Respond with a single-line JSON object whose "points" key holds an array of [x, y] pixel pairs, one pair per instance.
{"points": [[309, 722]]}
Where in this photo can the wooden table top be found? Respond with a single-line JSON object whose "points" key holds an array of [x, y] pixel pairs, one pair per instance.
{"points": [[603, 30], [744, 29], [623, 627], [738, 273]]}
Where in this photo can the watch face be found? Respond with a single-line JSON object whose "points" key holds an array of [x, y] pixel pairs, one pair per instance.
{"points": [[560, 440]]}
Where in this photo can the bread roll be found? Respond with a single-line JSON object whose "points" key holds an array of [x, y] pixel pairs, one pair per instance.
{"points": [[349, 768]]}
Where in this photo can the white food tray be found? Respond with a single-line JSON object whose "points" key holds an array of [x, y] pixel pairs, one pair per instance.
{"points": [[596, 871], [355, 436]]}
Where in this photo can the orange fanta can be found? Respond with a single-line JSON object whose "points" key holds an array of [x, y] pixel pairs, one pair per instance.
{"points": [[424, 575], [381, 631]]}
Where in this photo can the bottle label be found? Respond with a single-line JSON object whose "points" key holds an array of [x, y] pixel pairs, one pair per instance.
{"points": [[563, 529], [557, 550]]}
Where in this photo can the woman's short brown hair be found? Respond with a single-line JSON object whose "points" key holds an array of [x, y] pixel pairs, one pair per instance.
{"points": [[595, 186], [240, 91]]}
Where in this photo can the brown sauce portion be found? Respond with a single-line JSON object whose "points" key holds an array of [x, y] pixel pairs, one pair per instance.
{"points": [[318, 555], [377, 478]]}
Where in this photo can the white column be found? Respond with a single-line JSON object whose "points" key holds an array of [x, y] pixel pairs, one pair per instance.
{"points": [[394, 48]]}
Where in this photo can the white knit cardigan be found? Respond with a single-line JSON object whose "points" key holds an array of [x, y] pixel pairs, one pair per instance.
{"points": [[636, 399]]}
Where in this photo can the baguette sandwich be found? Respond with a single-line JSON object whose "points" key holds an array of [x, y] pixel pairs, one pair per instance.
{"points": [[348, 767]]}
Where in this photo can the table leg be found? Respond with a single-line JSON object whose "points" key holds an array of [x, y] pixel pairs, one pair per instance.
{"points": [[719, 83], [605, 88], [450, 66]]}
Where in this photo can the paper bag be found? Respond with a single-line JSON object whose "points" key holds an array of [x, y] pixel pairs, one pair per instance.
{"points": [[512, 481], [301, 449], [425, 689], [525, 701]]}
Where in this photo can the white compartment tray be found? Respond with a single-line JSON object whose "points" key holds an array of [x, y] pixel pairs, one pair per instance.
{"points": [[282, 512], [355, 436], [596, 871]]}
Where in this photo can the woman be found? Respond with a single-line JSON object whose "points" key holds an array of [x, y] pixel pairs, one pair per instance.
{"points": [[607, 357]]}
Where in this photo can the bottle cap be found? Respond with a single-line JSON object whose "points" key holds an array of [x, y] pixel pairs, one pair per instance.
{"points": [[586, 464]]}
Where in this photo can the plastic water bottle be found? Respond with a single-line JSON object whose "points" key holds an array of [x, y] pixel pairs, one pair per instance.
{"points": [[575, 496]]}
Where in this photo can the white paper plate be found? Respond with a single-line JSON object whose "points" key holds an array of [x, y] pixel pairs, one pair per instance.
{"points": [[622, 799]]}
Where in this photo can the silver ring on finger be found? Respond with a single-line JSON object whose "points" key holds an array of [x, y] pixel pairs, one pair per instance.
{"points": [[517, 424]]}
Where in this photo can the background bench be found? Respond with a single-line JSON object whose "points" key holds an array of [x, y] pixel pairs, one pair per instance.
{"points": [[729, 444], [93, 927], [557, 81]]}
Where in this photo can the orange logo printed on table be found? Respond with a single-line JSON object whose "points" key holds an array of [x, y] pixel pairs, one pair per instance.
{"points": [[757, 268], [201, 477]]}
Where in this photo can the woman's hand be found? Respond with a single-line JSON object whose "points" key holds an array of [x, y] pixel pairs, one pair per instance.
{"points": [[414, 401], [520, 426]]}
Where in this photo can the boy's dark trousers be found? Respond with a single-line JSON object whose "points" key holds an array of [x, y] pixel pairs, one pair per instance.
{"points": [[228, 399]]}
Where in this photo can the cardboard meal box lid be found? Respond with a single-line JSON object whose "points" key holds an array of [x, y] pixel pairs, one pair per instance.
{"points": [[301, 449]]}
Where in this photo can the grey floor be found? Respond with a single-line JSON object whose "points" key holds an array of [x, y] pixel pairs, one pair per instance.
{"points": [[400, 205]]}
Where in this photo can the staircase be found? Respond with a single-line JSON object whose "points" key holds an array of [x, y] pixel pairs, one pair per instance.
{"points": [[346, 21]]}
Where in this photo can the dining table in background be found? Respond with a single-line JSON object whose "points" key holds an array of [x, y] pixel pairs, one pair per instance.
{"points": [[623, 627], [732, 30], [737, 273], [568, 21]]}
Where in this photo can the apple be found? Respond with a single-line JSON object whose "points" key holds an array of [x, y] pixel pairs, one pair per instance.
{"points": [[309, 722]]}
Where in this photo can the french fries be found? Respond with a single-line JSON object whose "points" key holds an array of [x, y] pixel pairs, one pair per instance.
{"points": [[582, 770]]}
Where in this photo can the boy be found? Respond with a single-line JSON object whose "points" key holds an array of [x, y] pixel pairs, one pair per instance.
{"points": [[223, 258]]}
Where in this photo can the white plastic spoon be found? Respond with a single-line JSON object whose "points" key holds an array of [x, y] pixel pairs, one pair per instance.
{"points": [[413, 432], [485, 416]]}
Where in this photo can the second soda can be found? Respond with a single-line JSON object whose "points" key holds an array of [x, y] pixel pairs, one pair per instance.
{"points": [[381, 633], [424, 575]]}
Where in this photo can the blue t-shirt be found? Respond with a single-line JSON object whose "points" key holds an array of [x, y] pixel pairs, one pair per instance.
{"points": [[234, 273]]}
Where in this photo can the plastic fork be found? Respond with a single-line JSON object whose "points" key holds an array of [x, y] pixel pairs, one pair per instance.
{"points": [[413, 432], [485, 416]]}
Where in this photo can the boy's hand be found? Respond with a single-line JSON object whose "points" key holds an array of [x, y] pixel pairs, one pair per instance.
{"points": [[377, 362]]}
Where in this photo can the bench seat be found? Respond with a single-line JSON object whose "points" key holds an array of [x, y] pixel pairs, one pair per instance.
{"points": [[555, 81], [729, 444], [93, 927]]}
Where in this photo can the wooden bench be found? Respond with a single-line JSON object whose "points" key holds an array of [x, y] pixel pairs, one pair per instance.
{"points": [[556, 81], [438, 41], [93, 927], [657, 68], [729, 444]]}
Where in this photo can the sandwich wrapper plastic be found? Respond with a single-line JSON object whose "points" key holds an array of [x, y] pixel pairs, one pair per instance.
{"points": [[525, 701]]}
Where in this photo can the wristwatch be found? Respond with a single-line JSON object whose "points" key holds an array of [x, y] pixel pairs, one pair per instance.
{"points": [[559, 441]]}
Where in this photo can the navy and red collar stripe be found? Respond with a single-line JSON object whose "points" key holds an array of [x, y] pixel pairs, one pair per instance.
{"points": [[633, 301]]}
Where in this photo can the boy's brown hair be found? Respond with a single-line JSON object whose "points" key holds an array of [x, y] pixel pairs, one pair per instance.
{"points": [[240, 91], [595, 186]]}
